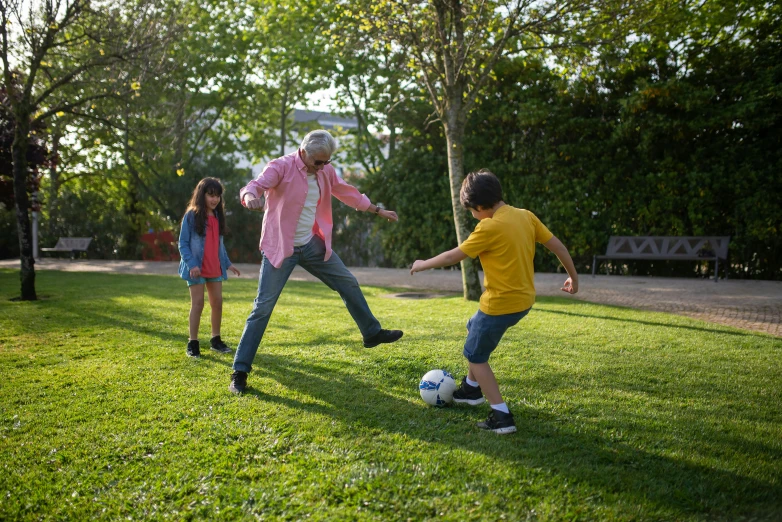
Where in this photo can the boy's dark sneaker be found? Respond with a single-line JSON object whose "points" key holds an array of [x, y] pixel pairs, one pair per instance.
{"points": [[466, 394], [193, 348], [383, 336], [238, 382], [218, 345], [499, 422]]}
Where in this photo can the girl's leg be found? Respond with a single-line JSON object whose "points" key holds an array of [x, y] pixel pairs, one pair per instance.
{"points": [[215, 289], [483, 373], [196, 307]]}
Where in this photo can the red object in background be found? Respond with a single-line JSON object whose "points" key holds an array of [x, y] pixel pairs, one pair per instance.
{"points": [[159, 246]]}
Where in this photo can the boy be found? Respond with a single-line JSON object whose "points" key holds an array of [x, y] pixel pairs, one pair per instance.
{"points": [[505, 240]]}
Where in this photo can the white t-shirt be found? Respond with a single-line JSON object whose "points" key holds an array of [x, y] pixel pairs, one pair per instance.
{"points": [[307, 217]]}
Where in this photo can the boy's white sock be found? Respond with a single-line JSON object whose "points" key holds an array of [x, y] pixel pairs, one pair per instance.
{"points": [[474, 384], [500, 407]]}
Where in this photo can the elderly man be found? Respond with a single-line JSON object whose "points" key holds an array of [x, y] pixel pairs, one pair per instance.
{"points": [[297, 225]]}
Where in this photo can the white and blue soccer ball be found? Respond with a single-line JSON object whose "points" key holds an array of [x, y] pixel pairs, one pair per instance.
{"points": [[437, 387]]}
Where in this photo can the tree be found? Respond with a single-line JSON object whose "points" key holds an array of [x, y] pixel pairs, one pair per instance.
{"points": [[453, 47], [373, 83], [37, 156], [184, 111], [294, 61], [64, 55]]}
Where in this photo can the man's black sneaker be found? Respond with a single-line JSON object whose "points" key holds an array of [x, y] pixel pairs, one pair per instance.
{"points": [[499, 422], [238, 382], [383, 336], [466, 394], [193, 348], [218, 345]]}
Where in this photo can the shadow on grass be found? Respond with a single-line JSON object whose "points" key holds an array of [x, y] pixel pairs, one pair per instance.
{"points": [[648, 323], [544, 441], [131, 320]]}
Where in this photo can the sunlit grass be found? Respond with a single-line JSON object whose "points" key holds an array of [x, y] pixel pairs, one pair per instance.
{"points": [[622, 415]]}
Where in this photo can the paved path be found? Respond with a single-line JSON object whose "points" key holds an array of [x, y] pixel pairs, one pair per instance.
{"points": [[752, 305]]}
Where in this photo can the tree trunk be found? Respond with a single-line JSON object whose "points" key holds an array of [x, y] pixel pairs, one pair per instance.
{"points": [[454, 135], [22, 204]]}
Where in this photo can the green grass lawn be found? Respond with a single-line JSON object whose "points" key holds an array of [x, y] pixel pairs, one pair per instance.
{"points": [[622, 414]]}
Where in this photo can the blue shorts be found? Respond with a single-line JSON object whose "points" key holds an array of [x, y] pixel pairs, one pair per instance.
{"points": [[484, 333], [204, 280]]}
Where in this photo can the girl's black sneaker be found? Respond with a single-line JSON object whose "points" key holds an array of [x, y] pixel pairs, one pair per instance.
{"points": [[218, 345], [499, 422], [466, 394], [193, 348]]}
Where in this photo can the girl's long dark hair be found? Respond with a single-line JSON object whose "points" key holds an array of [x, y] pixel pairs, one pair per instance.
{"points": [[198, 204]]}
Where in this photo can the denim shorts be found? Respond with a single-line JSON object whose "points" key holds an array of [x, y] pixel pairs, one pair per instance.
{"points": [[484, 333], [204, 280]]}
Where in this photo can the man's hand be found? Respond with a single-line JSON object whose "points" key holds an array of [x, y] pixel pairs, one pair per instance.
{"points": [[195, 273], [388, 214], [418, 266], [234, 270], [571, 286], [253, 203]]}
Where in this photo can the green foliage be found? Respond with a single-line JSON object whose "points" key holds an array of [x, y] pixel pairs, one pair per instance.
{"points": [[102, 215], [652, 118], [357, 235], [623, 415], [87, 213], [636, 150], [244, 227], [414, 183]]}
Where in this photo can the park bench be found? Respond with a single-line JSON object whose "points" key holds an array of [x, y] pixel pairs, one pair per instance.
{"points": [[693, 248], [74, 245]]}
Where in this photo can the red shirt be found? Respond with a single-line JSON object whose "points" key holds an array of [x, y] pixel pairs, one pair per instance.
{"points": [[211, 264]]}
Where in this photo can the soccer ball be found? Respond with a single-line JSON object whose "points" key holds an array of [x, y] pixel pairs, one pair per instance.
{"points": [[437, 388]]}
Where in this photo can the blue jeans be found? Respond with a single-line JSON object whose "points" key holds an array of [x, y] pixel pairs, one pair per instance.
{"points": [[271, 282], [484, 333]]}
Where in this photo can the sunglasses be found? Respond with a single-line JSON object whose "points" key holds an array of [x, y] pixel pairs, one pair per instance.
{"points": [[318, 163]]}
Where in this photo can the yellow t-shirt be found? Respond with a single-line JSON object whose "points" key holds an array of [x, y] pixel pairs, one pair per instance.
{"points": [[506, 246]]}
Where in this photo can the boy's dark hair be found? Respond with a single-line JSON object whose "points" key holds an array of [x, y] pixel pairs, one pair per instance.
{"points": [[480, 188], [198, 204]]}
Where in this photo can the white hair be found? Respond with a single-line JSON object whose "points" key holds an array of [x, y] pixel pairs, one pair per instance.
{"points": [[319, 141]]}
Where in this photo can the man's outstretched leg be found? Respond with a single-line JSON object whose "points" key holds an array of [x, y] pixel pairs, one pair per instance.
{"points": [[336, 276]]}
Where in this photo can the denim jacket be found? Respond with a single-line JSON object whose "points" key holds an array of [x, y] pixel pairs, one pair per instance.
{"points": [[191, 249]]}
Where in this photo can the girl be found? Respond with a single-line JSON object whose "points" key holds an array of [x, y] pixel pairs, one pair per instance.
{"points": [[204, 259]]}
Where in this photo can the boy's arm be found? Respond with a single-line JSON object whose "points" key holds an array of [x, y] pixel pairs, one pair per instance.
{"points": [[560, 250], [451, 257]]}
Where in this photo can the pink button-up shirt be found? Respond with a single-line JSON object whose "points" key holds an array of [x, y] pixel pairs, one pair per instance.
{"points": [[284, 182]]}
